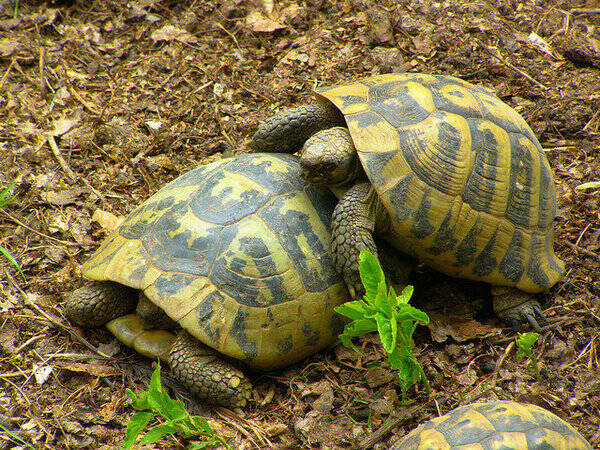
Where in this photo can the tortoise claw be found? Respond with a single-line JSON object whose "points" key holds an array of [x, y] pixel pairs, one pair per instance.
{"points": [[531, 319]]}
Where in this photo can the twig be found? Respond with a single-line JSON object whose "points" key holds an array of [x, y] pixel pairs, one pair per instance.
{"points": [[41, 65], [585, 251], [18, 222], [510, 66], [60, 159], [67, 169], [585, 11], [80, 99], [502, 358], [5, 76]]}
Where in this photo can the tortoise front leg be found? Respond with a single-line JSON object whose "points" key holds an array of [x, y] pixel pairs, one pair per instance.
{"points": [[352, 226], [209, 377], [287, 131]]}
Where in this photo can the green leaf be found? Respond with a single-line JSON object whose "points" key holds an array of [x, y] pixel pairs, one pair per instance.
{"points": [[154, 434], [135, 426], [405, 295], [354, 310], [370, 273], [12, 260], [4, 200], [385, 333], [525, 341], [380, 302]]}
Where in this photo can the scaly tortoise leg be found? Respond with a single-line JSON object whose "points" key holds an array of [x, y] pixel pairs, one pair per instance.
{"points": [[352, 227], [99, 302], [203, 371], [514, 306], [286, 132]]}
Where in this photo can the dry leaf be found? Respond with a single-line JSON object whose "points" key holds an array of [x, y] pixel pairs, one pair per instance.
{"points": [[458, 328], [107, 220], [262, 24], [41, 373], [172, 33], [96, 370]]}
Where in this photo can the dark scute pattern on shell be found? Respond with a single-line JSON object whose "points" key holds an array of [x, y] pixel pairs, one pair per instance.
{"points": [[228, 271], [171, 250], [520, 188], [486, 260], [459, 431], [442, 103], [534, 268], [444, 240], [547, 208], [421, 226], [436, 171], [398, 194], [170, 284], [480, 187], [312, 336], [511, 265], [291, 226], [374, 164], [238, 331], [394, 103], [349, 100], [465, 252], [284, 345], [205, 310]]}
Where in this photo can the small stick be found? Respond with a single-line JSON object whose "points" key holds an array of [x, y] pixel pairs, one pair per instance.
{"points": [[41, 65], [585, 251], [67, 169], [510, 66], [585, 11], [509, 347], [59, 158], [5, 76]]}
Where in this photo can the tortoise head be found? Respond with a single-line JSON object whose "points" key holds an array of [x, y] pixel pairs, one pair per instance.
{"points": [[329, 158]]}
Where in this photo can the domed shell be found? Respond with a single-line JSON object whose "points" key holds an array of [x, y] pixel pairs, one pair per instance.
{"points": [[237, 252], [464, 178], [499, 424]]}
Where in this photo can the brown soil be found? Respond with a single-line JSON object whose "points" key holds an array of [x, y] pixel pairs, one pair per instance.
{"points": [[103, 102]]}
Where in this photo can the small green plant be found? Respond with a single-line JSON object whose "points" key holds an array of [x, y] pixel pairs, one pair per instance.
{"points": [[5, 199], [524, 342], [177, 419], [390, 314]]}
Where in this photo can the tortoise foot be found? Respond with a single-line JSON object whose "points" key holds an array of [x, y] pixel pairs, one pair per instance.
{"points": [[210, 378], [515, 307]]}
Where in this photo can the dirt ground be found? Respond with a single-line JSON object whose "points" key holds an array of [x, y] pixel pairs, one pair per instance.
{"points": [[101, 103]]}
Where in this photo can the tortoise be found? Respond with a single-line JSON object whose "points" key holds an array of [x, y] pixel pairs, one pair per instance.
{"points": [[442, 169], [236, 252], [493, 425]]}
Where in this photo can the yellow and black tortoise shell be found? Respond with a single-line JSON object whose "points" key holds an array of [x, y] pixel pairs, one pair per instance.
{"points": [[494, 425], [464, 178], [237, 252]]}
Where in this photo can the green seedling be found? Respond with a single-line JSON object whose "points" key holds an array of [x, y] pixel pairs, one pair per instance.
{"points": [[5, 199], [176, 419], [389, 314], [524, 342]]}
